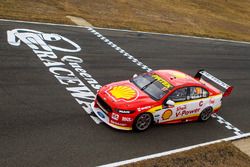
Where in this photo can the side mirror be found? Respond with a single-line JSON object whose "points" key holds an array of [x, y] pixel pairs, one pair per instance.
{"points": [[170, 103], [135, 75]]}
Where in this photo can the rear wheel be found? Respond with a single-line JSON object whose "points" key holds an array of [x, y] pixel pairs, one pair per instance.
{"points": [[206, 114], [142, 122]]}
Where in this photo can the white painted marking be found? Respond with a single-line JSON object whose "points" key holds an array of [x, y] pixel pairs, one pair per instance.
{"points": [[96, 119], [174, 151], [228, 125], [213, 116], [122, 30], [117, 48], [220, 121], [40, 43], [88, 110], [176, 35], [32, 38], [238, 133]]}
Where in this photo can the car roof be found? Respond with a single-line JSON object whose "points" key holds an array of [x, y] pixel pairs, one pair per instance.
{"points": [[177, 78]]}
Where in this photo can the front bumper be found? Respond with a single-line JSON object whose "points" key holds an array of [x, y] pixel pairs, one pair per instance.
{"points": [[105, 118]]}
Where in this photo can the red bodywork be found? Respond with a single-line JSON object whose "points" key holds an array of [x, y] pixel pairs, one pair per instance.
{"points": [[109, 99]]}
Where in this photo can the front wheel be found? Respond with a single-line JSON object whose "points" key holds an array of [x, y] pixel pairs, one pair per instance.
{"points": [[206, 114], [142, 122]]}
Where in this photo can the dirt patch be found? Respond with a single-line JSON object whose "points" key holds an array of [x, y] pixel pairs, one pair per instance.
{"points": [[79, 21], [223, 154], [243, 145], [217, 18]]}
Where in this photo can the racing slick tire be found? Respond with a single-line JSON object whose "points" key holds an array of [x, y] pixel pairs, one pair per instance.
{"points": [[142, 122], [206, 114]]}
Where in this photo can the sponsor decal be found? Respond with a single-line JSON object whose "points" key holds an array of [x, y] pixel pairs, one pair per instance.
{"points": [[184, 112], [216, 80], [212, 101], [180, 108], [167, 114], [127, 119], [162, 81], [115, 116], [42, 45], [101, 114], [143, 108], [125, 93], [201, 103], [117, 123]]}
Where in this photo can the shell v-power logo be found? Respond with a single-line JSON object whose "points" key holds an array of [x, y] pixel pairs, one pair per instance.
{"points": [[125, 93]]}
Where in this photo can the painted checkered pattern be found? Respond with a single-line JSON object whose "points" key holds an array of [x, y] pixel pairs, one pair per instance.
{"points": [[120, 50], [227, 124]]}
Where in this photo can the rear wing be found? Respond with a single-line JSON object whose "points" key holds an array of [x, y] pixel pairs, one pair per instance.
{"points": [[228, 88]]}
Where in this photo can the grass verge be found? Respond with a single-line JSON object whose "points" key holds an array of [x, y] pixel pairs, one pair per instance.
{"points": [[216, 18]]}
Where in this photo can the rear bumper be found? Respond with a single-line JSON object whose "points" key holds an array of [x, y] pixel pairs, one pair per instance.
{"points": [[105, 118]]}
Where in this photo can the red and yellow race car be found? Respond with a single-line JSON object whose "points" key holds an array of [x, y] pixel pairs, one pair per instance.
{"points": [[162, 97]]}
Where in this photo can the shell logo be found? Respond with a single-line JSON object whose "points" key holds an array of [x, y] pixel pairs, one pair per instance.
{"points": [[123, 92], [167, 114]]}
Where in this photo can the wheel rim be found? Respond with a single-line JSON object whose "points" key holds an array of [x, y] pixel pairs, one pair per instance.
{"points": [[143, 121], [206, 113]]}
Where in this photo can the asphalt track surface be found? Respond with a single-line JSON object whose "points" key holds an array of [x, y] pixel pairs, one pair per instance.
{"points": [[41, 124]]}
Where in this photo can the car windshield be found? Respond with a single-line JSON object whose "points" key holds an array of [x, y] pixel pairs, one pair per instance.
{"points": [[152, 84]]}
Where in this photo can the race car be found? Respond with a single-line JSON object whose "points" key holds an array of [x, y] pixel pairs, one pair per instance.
{"points": [[161, 97]]}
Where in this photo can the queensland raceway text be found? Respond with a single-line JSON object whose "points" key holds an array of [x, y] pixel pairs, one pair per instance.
{"points": [[57, 64]]}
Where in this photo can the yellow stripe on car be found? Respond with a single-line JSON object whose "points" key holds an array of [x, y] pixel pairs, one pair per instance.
{"points": [[187, 101], [120, 127], [154, 109]]}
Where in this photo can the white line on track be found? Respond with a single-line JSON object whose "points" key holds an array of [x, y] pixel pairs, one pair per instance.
{"points": [[132, 31], [132, 59], [174, 151]]}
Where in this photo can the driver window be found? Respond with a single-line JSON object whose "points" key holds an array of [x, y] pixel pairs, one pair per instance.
{"points": [[179, 95], [198, 92]]}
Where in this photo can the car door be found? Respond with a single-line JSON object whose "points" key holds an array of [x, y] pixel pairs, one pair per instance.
{"points": [[168, 113], [198, 100], [189, 102]]}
